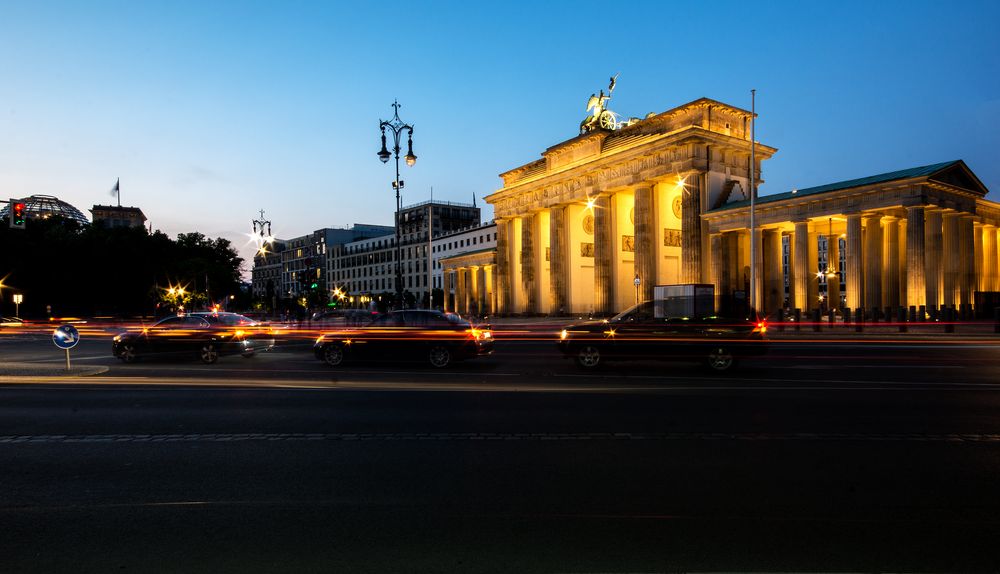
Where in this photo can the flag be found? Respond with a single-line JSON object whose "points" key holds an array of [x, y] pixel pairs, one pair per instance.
{"points": [[115, 190]]}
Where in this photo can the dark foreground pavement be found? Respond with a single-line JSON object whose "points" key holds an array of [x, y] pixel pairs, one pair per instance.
{"points": [[156, 479]]}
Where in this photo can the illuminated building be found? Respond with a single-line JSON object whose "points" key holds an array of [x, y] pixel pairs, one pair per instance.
{"points": [[665, 199]]}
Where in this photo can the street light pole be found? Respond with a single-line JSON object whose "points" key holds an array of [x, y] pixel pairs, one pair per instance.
{"points": [[753, 204], [396, 127]]}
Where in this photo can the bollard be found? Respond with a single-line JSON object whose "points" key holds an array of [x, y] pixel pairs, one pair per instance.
{"points": [[815, 319], [913, 313], [847, 316], [948, 316], [922, 313], [798, 318], [781, 320], [889, 314], [859, 319], [832, 317], [901, 318], [876, 314]]}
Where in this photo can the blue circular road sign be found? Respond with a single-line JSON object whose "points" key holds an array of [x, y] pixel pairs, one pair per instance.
{"points": [[66, 337]]}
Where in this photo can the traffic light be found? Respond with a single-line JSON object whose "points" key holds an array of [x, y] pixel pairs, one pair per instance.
{"points": [[17, 211]]}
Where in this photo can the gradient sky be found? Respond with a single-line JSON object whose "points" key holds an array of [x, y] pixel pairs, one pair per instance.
{"points": [[210, 111]]}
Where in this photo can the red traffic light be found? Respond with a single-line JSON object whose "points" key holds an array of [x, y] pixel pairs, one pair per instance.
{"points": [[17, 213]]}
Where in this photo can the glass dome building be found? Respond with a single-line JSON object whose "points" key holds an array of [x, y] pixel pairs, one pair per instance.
{"points": [[45, 206]]}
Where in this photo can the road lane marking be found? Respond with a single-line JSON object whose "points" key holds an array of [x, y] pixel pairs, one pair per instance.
{"points": [[495, 436]]}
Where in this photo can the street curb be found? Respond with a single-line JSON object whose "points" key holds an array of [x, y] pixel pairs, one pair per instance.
{"points": [[50, 370]]}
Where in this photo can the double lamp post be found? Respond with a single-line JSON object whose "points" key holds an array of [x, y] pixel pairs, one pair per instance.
{"points": [[396, 127]]}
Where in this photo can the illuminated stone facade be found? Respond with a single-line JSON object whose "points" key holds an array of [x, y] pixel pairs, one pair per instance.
{"points": [[666, 200]]}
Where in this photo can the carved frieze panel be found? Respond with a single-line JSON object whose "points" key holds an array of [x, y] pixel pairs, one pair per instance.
{"points": [[628, 243], [671, 237], [586, 250]]}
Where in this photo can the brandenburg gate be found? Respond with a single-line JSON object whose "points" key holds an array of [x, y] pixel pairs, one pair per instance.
{"points": [[665, 200]]}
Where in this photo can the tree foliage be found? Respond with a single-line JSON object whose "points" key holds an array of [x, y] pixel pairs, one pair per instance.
{"points": [[93, 270]]}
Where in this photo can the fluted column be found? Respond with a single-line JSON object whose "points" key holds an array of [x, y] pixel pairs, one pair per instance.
{"points": [[557, 258], [890, 264], [853, 262], [833, 262], [916, 269], [529, 263], [967, 260], [493, 288], [990, 251], [873, 261], [800, 256], [980, 284], [691, 229], [932, 247], [645, 248], [480, 281], [902, 263], [461, 299], [950, 261], [718, 259], [603, 253], [774, 285], [503, 266]]}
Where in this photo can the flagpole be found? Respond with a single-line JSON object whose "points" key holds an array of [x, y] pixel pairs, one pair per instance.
{"points": [[118, 190], [753, 203], [430, 258]]}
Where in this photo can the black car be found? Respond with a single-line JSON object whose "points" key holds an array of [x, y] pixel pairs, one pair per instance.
{"points": [[205, 334], [425, 335], [639, 333]]}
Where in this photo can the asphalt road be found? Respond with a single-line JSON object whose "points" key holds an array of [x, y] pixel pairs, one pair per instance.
{"points": [[836, 456]]}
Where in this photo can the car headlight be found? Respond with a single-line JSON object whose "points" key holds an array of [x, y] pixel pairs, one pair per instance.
{"points": [[564, 334], [117, 338]]}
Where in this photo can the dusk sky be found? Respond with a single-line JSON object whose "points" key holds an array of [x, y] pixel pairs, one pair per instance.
{"points": [[211, 111]]}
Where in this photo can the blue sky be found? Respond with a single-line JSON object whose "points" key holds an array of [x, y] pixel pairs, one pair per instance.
{"points": [[211, 111]]}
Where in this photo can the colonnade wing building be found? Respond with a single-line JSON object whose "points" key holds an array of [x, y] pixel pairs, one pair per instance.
{"points": [[665, 200]]}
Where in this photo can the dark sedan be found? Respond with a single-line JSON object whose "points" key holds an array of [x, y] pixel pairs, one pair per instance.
{"points": [[638, 333], [422, 335], [204, 334]]}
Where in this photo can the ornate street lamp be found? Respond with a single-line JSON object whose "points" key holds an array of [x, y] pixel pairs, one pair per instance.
{"points": [[396, 127]]}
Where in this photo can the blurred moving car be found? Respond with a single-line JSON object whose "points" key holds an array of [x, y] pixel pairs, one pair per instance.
{"points": [[207, 334], [11, 322], [637, 333], [416, 334]]}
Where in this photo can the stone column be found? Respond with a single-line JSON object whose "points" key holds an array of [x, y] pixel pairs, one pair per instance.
{"points": [[461, 299], [990, 251], [890, 265], [853, 263], [800, 261], [916, 287], [950, 261], [774, 285], [980, 284], [833, 262], [757, 253], [902, 263], [493, 288], [718, 259], [557, 258], [967, 260], [873, 261], [503, 267], [473, 288], [932, 252], [603, 255], [529, 263], [645, 248], [480, 281], [691, 230]]}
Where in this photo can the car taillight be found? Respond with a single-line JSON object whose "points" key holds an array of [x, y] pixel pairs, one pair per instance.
{"points": [[761, 327]]}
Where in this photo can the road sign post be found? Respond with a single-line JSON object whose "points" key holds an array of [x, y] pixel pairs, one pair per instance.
{"points": [[66, 337], [18, 299]]}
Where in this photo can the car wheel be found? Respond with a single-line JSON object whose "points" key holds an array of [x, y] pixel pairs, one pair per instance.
{"points": [[333, 354], [588, 357], [209, 354], [720, 359], [127, 354], [247, 354], [439, 356]]}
